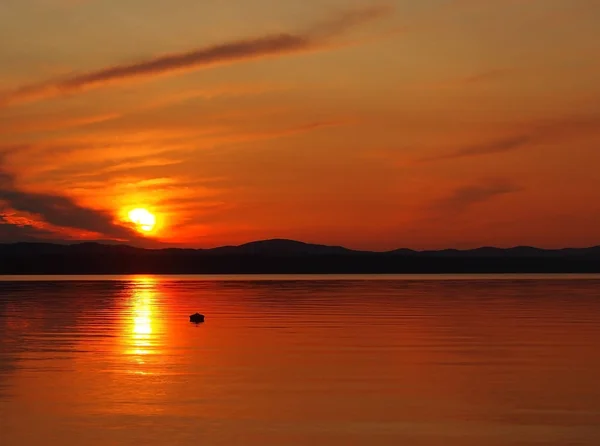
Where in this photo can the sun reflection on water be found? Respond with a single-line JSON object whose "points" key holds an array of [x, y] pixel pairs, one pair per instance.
{"points": [[142, 336]]}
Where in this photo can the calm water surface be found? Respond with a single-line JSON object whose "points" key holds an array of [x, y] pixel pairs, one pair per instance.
{"points": [[297, 361]]}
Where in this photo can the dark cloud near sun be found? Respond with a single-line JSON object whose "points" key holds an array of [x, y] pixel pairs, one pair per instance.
{"points": [[56, 210], [316, 37], [22, 233]]}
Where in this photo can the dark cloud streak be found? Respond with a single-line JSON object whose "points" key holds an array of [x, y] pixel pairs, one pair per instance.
{"points": [[317, 37]]}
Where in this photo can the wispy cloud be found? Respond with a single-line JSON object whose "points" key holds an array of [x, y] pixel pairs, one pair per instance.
{"points": [[316, 37], [47, 124], [281, 133], [220, 91], [464, 197], [535, 133], [345, 21], [501, 145]]}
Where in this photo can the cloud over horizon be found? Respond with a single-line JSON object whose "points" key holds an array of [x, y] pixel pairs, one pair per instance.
{"points": [[10, 232], [59, 211]]}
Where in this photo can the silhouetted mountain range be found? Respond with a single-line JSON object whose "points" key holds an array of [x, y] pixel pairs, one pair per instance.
{"points": [[285, 256]]}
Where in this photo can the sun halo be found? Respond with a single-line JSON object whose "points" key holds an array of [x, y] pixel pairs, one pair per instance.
{"points": [[143, 219]]}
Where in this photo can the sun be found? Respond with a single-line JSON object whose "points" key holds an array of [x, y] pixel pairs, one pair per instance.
{"points": [[143, 219]]}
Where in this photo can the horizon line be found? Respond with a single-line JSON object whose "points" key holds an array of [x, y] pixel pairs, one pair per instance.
{"points": [[299, 242]]}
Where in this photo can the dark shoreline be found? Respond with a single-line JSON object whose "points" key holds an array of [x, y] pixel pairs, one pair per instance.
{"points": [[74, 265], [286, 257]]}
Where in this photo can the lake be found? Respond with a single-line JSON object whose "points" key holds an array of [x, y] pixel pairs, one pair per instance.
{"points": [[297, 361]]}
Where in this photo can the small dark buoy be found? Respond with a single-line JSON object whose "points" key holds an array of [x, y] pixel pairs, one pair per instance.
{"points": [[197, 318]]}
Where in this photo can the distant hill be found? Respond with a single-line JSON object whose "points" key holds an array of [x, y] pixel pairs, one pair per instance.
{"points": [[285, 256], [281, 247]]}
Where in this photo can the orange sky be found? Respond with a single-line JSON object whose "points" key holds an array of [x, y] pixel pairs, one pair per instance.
{"points": [[429, 124]]}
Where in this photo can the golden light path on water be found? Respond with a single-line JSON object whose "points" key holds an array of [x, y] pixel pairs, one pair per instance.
{"points": [[142, 336]]}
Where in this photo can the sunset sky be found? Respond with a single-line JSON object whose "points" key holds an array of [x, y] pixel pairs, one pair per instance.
{"points": [[421, 124]]}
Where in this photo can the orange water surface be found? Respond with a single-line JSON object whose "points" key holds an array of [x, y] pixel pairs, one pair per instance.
{"points": [[298, 361]]}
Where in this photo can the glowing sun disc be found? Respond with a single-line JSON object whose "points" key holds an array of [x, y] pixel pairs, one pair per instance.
{"points": [[143, 219]]}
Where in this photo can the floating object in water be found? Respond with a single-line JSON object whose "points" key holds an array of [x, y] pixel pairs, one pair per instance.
{"points": [[197, 318]]}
